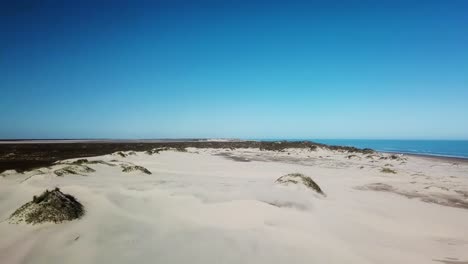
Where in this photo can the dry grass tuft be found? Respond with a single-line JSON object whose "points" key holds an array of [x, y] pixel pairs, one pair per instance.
{"points": [[387, 170], [295, 178]]}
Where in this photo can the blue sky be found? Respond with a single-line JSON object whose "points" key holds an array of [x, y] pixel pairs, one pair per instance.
{"points": [[323, 69]]}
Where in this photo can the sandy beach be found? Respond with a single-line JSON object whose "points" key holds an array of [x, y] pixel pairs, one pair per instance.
{"points": [[214, 205]]}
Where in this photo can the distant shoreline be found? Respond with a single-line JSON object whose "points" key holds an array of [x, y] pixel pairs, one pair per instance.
{"points": [[433, 157]]}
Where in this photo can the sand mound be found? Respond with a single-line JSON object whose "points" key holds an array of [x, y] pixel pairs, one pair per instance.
{"points": [[130, 168], [298, 178], [73, 169], [8, 172], [50, 206]]}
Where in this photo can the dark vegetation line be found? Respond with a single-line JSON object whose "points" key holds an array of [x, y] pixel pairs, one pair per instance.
{"points": [[25, 156]]}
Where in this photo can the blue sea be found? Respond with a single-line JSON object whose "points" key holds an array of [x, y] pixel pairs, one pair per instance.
{"points": [[445, 148]]}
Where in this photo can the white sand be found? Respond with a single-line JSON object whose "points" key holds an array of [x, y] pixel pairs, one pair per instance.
{"points": [[203, 207]]}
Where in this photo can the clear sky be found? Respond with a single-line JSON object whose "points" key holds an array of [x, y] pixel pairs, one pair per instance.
{"points": [[252, 69]]}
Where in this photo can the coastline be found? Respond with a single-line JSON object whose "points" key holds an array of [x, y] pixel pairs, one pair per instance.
{"points": [[431, 157]]}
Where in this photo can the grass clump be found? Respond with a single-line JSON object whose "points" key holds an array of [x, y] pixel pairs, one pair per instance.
{"points": [[73, 169], [51, 206], [181, 149], [155, 151], [80, 161], [296, 178], [130, 168], [121, 154], [388, 170], [83, 162]]}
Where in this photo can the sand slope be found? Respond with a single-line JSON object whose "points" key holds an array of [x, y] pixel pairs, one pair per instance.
{"points": [[223, 206]]}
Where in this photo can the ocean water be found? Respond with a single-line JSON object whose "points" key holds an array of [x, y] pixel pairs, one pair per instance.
{"points": [[445, 148]]}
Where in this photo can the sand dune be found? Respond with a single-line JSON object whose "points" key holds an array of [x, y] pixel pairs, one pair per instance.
{"points": [[225, 206]]}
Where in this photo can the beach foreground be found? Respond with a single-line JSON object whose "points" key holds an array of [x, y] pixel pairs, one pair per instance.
{"points": [[220, 205]]}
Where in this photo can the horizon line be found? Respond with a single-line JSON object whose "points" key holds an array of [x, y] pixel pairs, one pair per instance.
{"points": [[233, 138]]}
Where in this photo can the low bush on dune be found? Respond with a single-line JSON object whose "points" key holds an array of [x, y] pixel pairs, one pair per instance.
{"points": [[86, 161], [130, 168], [155, 151], [64, 171], [50, 206], [298, 178], [121, 154], [181, 149], [124, 154], [158, 150], [396, 157], [349, 149], [73, 169], [388, 170], [80, 161]]}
